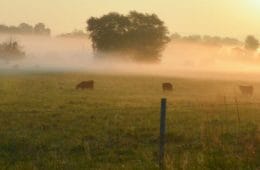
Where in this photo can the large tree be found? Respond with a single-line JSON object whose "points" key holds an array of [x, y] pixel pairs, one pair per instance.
{"points": [[141, 37]]}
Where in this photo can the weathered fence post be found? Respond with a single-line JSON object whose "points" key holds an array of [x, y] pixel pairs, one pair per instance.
{"points": [[162, 132]]}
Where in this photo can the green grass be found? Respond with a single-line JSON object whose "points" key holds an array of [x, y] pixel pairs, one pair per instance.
{"points": [[46, 124]]}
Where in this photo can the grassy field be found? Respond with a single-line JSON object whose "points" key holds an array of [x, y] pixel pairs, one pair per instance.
{"points": [[46, 124]]}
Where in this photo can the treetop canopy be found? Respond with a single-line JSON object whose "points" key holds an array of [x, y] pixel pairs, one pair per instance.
{"points": [[141, 36]]}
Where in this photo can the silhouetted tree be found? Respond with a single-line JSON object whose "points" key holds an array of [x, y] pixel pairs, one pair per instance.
{"points": [[251, 43], [141, 36], [11, 50], [41, 29], [3, 28], [24, 28], [13, 29]]}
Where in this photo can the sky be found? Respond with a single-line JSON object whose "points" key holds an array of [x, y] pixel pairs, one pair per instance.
{"points": [[234, 18]]}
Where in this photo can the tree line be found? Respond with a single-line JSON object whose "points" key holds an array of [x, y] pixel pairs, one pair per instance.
{"points": [[144, 36], [136, 36], [251, 43], [24, 28], [206, 39], [74, 34]]}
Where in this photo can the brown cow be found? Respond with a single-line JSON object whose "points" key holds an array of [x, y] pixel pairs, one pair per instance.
{"points": [[246, 90], [167, 87], [85, 85]]}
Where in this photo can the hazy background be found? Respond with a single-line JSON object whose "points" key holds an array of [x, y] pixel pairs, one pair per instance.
{"points": [[234, 18], [185, 59]]}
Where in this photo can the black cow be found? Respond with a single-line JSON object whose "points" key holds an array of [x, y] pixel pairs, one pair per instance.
{"points": [[167, 87], [86, 85], [246, 90]]}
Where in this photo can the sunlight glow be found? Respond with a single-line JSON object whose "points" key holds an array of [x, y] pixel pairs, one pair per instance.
{"points": [[255, 3]]}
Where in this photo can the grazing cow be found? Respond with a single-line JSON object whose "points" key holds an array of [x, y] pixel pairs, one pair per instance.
{"points": [[85, 85], [246, 90], [167, 87]]}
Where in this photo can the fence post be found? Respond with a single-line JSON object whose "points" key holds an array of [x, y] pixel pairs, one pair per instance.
{"points": [[238, 115], [162, 132]]}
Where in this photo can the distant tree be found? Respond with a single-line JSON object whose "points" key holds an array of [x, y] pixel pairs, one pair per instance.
{"points": [[176, 37], [13, 29], [75, 34], [25, 28], [192, 38], [11, 50], [230, 41], [206, 40], [140, 36], [3, 28], [251, 43], [41, 29], [212, 40]]}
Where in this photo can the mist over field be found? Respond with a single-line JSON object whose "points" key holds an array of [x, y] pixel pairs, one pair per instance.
{"points": [[169, 85], [186, 59]]}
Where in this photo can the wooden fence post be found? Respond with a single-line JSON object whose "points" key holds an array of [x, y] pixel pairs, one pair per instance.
{"points": [[162, 132]]}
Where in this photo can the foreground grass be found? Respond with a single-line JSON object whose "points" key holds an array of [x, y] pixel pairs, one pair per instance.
{"points": [[46, 124]]}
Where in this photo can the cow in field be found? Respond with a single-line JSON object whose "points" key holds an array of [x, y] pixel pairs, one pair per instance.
{"points": [[167, 87], [246, 90], [85, 85]]}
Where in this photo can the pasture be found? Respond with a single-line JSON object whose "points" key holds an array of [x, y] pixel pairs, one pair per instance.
{"points": [[45, 123]]}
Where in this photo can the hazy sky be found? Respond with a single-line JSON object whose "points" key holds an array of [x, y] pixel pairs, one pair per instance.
{"points": [[214, 17]]}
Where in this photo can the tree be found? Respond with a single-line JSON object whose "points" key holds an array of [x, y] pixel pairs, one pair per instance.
{"points": [[176, 37], [3, 28], [206, 39], [212, 40], [230, 41], [75, 34], [41, 29], [25, 28], [251, 43], [140, 36], [11, 50], [192, 38]]}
